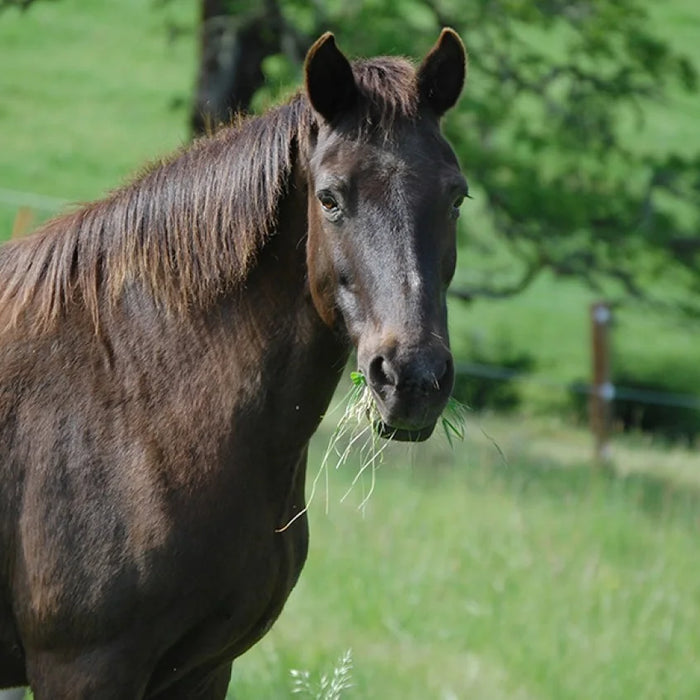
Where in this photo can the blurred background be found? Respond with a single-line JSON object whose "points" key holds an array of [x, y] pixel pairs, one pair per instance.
{"points": [[553, 553]]}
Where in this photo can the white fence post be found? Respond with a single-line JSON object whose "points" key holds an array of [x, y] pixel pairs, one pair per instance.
{"points": [[602, 389]]}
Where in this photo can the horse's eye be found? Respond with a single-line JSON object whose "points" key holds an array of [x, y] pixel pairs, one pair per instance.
{"points": [[328, 202], [456, 206]]}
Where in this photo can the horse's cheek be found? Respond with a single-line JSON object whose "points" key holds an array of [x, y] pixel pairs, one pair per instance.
{"points": [[321, 278]]}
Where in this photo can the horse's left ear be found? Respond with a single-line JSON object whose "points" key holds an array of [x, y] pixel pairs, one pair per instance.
{"points": [[330, 84], [441, 75]]}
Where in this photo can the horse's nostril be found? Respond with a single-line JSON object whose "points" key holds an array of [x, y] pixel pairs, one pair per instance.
{"points": [[424, 377], [380, 374], [436, 379]]}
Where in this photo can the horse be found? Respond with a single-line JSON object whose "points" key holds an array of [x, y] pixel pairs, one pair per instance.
{"points": [[167, 352]]}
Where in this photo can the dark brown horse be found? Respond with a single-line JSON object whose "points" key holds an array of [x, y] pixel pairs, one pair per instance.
{"points": [[166, 354]]}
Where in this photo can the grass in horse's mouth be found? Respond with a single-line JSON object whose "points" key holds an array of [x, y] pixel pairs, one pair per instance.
{"points": [[360, 429], [361, 410]]}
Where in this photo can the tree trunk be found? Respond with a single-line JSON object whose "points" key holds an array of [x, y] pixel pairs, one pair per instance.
{"points": [[233, 45]]}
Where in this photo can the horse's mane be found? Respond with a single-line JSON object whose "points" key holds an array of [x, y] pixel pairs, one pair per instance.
{"points": [[188, 227]]}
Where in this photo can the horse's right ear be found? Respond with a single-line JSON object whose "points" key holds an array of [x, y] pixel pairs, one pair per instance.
{"points": [[330, 84]]}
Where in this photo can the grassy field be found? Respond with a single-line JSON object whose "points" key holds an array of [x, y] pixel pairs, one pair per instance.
{"points": [[468, 575], [471, 576], [90, 92]]}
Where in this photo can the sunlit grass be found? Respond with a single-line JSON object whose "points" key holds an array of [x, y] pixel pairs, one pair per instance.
{"points": [[467, 576]]}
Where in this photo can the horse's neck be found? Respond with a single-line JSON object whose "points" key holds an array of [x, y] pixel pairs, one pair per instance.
{"points": [[264, 338], [304, 354], [292, 360]]}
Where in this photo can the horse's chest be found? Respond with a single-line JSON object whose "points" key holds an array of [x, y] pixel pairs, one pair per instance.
{"points": [[276, 578], [251, 599]]}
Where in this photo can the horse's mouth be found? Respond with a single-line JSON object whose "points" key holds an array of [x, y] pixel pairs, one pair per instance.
{"points": [[388, 432]]}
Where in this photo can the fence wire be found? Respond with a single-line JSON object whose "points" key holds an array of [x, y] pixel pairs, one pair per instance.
{"points": [[40, 202], [609, 392]]}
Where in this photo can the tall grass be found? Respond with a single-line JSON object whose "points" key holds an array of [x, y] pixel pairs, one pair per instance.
{"points": [[470, 578], [329, 686]]}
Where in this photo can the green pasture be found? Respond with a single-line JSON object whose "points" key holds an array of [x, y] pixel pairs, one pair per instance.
{"points": [[477, 574], [508, 568]]}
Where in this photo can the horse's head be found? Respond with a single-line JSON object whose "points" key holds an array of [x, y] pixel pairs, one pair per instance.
{"points": [[384, 195]]}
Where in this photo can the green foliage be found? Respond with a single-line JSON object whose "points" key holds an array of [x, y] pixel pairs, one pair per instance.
{"points": [[568, 187], [552, 135], [453, 420]]}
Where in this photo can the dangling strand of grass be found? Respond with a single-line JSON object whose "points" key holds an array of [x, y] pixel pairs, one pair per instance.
{"points": [[371, 457], [359, 416], [454, 420], [359, 420]]}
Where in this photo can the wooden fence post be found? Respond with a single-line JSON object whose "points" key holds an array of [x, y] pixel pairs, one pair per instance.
{"points": [[602, 389], [23, 222]]}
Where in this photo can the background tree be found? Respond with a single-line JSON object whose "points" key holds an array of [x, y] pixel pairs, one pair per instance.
{"points": [[546, 132], [235, 39]]}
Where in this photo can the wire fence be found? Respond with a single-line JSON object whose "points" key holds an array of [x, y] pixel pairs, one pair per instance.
{"points": [[609, 392], [40, 202]]}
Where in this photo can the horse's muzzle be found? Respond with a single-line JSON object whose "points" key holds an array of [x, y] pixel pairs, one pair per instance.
{"points": [[410, 391]]}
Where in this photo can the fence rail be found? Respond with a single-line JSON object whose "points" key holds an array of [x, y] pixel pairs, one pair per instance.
{"points": [[606, 392], [40, 202], [613, 391]]}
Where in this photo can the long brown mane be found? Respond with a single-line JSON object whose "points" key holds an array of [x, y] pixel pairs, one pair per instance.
{"points": [[189, 227]]}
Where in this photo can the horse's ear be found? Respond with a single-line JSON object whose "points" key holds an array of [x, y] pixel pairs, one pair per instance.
{"points": [[441, 75], [330, 84]]}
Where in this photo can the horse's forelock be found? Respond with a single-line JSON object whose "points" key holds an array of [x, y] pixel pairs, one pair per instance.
{"points": [[388, 88]]}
